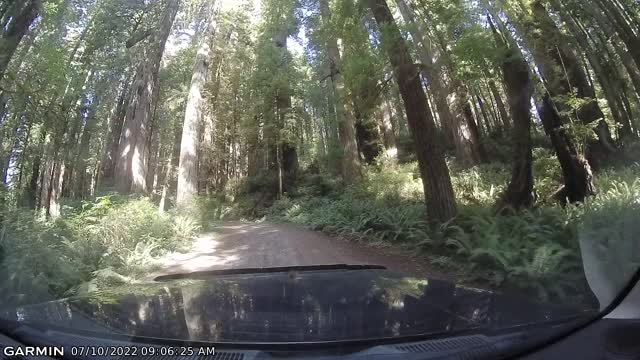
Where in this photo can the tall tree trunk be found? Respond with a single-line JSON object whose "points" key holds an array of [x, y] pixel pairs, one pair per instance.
{"points": [[485, 114], [350, 166], [563, 73], [630, 39], [131, 167], [287, 154], [500, 104], [576, 171], [432, 71], [114, 132], [520, 193], [18, 27], [71, 144], [367, 138], [598, 64], [188, 168], [83, 155], [31, 196], [468, 150], [387, 127], [254, 159], [439, 196]]}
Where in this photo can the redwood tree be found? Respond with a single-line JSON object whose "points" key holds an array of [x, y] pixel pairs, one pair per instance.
{"points": [[439, 196], [131, 169]]}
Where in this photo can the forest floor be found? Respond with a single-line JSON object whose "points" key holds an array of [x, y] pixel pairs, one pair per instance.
{"points": [[236, 245]]}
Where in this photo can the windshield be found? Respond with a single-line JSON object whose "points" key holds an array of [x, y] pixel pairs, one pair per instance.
{"points": [[188, 169]]}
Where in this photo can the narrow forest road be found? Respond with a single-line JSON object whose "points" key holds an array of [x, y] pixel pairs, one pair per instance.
{"points": [[235, 245]]}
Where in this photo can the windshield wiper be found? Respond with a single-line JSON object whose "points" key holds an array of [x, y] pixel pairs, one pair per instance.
{"points": [[209, 273]]}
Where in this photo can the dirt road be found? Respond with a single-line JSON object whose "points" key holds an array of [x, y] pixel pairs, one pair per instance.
{"points": [[240, 245]]}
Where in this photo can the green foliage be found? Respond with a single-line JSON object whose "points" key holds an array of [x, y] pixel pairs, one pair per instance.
{"points": [[109, 239], [480, 185], [536, 251], [547, 173]]}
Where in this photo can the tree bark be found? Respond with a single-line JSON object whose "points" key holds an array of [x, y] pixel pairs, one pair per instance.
{"points": [[468, 150], [31, 195], [520, 193], [439, 196], [83, 154], [18, 27], [131, 167], [286, 154], [367, 138], [576, 171], [387, 127], [485, 114], [432, 71], [114, 132], [350, 166], [500, 104], [188, 168]]}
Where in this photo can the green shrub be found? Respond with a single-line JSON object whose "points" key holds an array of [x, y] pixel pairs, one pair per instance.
{"points": [[534, 250], [89, 243], [538, 251], [479, 185], [547, 174]]}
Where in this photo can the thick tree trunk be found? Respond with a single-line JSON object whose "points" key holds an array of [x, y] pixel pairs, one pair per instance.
{"points": [[188, 168], [432, 71], [209, 146], [520, 193], [131, 167], [439, 196], [350, 166], [468, 150], [18, 27], [286, 154], [576, 171], [367, 138]]}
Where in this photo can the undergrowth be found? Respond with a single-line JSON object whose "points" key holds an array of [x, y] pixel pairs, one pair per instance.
{"points": [[111, 240], [537, 251], [117, 240]]}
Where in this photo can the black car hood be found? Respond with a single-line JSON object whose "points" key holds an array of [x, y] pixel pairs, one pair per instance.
{"points": [[292, 306]]}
